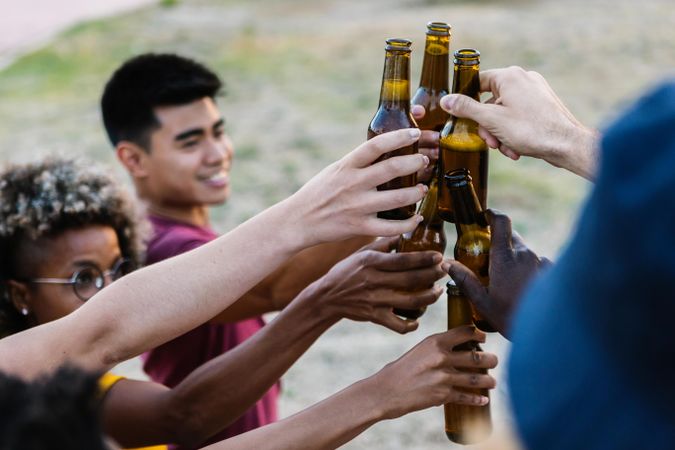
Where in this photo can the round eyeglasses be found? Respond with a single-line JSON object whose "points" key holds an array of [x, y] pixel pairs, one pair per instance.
{"points": [[88, 280]]}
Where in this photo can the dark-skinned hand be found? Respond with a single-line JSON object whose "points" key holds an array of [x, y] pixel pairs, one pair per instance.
{"points": [[512, 267]]}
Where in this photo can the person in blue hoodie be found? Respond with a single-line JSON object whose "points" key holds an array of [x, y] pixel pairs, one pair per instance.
{"points": [[593, 356]]}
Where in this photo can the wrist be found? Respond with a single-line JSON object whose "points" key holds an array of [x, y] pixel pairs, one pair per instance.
{"points": [[312, 304], [577, 152], [290, 225], [317, 298], [376, 405]]}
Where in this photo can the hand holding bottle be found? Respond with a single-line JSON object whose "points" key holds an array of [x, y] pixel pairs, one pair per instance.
{"points": [[366, 285], [430, 373], [512, 266], [341, 201], [525, 117]]}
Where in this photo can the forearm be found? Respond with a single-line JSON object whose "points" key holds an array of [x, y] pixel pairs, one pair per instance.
{"points": [[284, 284], [159, 302], [326, 425], [218, 393], [579, 153]]}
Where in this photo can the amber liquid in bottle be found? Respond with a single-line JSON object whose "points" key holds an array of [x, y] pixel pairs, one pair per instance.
{"points": [[428, 235], [460, 145], [465, 424], [472, 247], [435, 77], [393, 113]]}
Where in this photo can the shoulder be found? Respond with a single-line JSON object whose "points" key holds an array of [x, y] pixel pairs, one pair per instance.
{"points": [[174, 238]]}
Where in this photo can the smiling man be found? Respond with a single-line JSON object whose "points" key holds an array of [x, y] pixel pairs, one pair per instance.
{"points": [[160, 113]]}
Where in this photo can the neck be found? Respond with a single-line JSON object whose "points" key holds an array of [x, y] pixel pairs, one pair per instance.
{"points": [[194, 215]]}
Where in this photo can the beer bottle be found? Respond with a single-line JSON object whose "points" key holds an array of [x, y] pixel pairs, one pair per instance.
{"points": [[428, 235], [473, 234], [460, 146], [393, 113], [465, 424], [435, 76]]}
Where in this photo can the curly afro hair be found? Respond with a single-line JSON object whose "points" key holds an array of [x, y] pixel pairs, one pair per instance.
{"points": [[45, 198]]}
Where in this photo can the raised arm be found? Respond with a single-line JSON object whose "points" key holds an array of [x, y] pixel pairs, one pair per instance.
{"points": [[149, 307], [425, 376], [362, 287], [524, 117], [285, 283]]}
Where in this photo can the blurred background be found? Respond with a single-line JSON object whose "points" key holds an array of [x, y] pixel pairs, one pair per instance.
{"points": [[302, 82]]}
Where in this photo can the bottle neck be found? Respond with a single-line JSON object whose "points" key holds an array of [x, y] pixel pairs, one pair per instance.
{"points": [[429, 206], [459, 310], [395, 91], [435, 67], [468, 213], [466, 80]]}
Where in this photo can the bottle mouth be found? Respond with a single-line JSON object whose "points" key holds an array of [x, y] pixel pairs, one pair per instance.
{"points": [[398, 44], [458, 178], [438, 29], [452, 288], [467, 57]]}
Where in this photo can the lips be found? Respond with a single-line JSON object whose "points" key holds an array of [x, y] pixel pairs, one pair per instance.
{"points": [[217, 180]]}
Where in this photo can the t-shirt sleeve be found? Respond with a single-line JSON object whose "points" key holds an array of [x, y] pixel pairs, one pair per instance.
{"points": [[172, 244]]}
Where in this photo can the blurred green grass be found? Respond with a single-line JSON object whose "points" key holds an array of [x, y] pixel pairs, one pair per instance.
{"points": [[302, 80]]}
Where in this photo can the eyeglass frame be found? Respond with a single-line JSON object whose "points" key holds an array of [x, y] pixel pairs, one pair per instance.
{"points": [[99, 281]]}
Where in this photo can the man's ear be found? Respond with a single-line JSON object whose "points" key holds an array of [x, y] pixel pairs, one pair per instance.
{"points": [[133, 157], [19, 296]]}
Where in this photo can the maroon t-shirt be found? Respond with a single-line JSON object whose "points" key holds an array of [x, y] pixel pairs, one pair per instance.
{"points": [[170, 363]]}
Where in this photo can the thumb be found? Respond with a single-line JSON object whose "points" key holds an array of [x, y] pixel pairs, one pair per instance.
{"points": [[463, 106]]}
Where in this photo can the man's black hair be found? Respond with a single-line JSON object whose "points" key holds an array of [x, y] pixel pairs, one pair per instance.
{"points": [[58, 412], [148, 81]]}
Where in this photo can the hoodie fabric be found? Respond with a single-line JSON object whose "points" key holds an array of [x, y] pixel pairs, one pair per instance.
{"points": [[593, 359]]}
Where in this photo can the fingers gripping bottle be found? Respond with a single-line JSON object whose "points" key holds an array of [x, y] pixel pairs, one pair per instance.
{"points": [[460, 146], [428, 235], [472, 247], [393, 113], [465, 424]]}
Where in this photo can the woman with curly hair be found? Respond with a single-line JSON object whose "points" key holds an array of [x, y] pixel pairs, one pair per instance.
{"points": [[67, 230]]}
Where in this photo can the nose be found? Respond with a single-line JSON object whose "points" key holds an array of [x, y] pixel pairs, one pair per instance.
{"points": [[218, 150]]}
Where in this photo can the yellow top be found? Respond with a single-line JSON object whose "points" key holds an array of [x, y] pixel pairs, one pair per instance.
{"points": [[107, 381]]}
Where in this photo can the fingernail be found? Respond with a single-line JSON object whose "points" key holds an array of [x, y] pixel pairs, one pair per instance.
{"points": [[415, 132], [418, 218], [424, 187], [448, 102], [426, 160], [437, 258], [484, 400], [445, 266]]}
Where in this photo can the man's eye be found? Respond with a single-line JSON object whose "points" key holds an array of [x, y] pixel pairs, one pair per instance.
{"points": [[189, 144]]}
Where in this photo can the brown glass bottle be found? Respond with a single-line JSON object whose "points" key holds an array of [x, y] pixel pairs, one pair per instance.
{"points": [[465, 424], [428, 235], [460, 146], [435, 77], [473, 233], [393, 113]]}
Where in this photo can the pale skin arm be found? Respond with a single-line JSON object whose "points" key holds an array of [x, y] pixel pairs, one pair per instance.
{"points": [[150, 306], [362, 287], [284, 284], [426, 376], [524, 117]]}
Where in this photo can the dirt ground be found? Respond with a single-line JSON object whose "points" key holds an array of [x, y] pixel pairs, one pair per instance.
{"points": [[302, 81]]}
